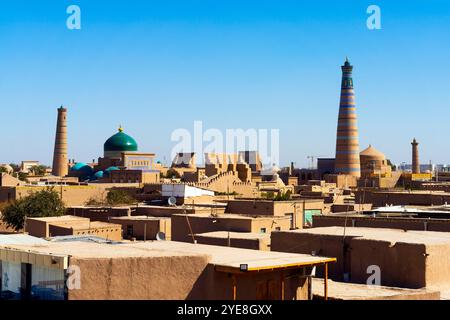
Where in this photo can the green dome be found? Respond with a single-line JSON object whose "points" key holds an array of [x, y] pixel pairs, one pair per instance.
{"points": [[120, 142]]}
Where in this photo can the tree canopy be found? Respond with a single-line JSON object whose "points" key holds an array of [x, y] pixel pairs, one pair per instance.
{"points": [[117, 197], [44, 203], [39, 170]]}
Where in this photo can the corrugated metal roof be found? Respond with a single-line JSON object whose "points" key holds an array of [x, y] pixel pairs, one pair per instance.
{"points": [[6, 239], [83, 239]]}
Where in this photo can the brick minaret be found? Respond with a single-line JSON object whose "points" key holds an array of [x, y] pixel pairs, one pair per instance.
{"points": [[347, 143], [60, 161], [415, 156]]}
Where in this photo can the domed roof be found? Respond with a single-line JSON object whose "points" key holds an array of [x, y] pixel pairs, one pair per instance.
{"points": [[372, 153], [111, 169], [78, 166], [120, 142], [98, 175], [83, 170]]}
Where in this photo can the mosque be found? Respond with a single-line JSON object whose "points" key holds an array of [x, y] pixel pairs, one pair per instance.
{"points": [[121, 163]]}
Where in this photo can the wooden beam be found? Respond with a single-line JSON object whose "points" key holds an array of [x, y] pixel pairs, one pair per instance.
{"points": [[233, 278], [325, 282]]}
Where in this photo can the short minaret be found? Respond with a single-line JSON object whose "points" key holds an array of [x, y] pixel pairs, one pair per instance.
{"points": [[415, 157], [347, 142], [60, 161]]}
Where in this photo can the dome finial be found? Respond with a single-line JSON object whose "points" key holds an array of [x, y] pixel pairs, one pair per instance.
{"points": [[120, 128]]}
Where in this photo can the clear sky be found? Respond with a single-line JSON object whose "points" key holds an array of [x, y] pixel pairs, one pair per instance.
{"points": [[155, 66]]}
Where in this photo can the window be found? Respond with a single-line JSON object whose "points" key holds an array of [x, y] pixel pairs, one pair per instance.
{"points": [[277, 229], [129, 230], [263, 230]]}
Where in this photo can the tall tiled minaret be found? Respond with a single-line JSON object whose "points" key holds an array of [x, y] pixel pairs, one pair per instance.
{"points": [[60, 161], [415, 157], [347, 143]]}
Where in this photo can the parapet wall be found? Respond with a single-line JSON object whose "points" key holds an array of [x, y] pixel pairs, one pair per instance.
{"points": [[412, 259], [440, 225]]}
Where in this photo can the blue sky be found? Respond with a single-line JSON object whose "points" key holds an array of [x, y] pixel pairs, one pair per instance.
{"points": [[155, 66]]}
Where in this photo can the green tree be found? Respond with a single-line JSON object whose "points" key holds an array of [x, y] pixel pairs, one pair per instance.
{"points": [[22, 176], [283, 196], [3, 170], [117, 197], [44, 203], [172, 174], [15, 167], [38, 170]]}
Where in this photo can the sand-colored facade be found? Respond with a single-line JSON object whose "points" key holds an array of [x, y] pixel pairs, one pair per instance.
{"points": [[162, 270], [185, 225], [244, 240], [384, 198], [72, 195], [143, 227], [71, 226], [412, 259], [419, 224], [292, 209]]}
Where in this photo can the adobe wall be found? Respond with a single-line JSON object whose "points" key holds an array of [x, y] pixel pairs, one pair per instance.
{"points": [[254, 244], [272, 208], [114, 232], [71, 195], [140, 278], [7, 194], [177, 278], [321, 245], [181, 232], [418, 224], [37, 228], [270, 224], [403, 264], [406, 265], [98, 213], [214, 285], [381, 199], [169, 211], [438, 265], [249, 207], [180, 227], [145, 228]]}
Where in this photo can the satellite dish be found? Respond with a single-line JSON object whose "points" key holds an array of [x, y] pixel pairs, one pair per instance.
{"points": [[160, 236], [172, 201]]}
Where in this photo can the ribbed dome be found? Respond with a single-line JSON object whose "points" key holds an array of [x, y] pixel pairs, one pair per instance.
{"points": [[372, 153], [120, 142]]}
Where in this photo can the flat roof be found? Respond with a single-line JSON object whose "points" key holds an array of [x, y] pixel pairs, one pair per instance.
{"points": [[82, 225], [21, 238], [232, 216], [273, 201], [62, 219], [224, 259], [228, 259], [234, 235], [139, 218], [380, 234], [424, 192], [353, 291]]}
